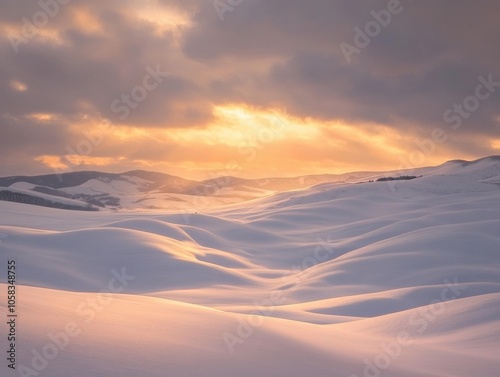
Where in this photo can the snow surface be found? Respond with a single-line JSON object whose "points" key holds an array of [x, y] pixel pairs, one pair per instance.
{"points": [[372, 279]]}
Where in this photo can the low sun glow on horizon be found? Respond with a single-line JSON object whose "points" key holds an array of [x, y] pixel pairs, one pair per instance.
{"points": [[240, 140]]}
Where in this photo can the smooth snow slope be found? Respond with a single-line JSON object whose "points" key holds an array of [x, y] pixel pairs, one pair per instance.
{"points": [[373, 279]]}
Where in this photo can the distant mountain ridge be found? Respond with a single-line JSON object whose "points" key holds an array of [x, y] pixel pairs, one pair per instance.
{"points": [[173, 184], [138, 189], [72, 179]]}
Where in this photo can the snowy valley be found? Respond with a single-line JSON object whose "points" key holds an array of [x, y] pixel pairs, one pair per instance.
{"points": [[329, 279]]}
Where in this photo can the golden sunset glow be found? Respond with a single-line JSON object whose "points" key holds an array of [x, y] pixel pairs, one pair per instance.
{"points": [[72, 160], [52, 162], [97, 161], [253, 142], [239, 125], [189, 88]]}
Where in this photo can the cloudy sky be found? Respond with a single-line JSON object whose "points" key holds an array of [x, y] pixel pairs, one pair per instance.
{"points": [[249, 88]]}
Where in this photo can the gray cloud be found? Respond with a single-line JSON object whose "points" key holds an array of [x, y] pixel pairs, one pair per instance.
{"points": [[280, 53]]}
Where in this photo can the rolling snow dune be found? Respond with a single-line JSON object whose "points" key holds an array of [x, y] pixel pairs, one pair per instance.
{"points": [[371, 279]]}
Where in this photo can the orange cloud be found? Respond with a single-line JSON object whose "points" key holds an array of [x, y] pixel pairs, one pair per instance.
{"points": [[85, 21]]}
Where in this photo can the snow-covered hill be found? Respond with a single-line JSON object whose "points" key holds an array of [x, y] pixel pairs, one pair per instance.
{"points": [[149, 190], [396, 278], [46, 200]]}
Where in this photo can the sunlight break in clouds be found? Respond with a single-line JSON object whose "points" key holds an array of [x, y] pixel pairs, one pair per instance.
{"points": [[238, 125], [163, 19], [262, 142]]}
